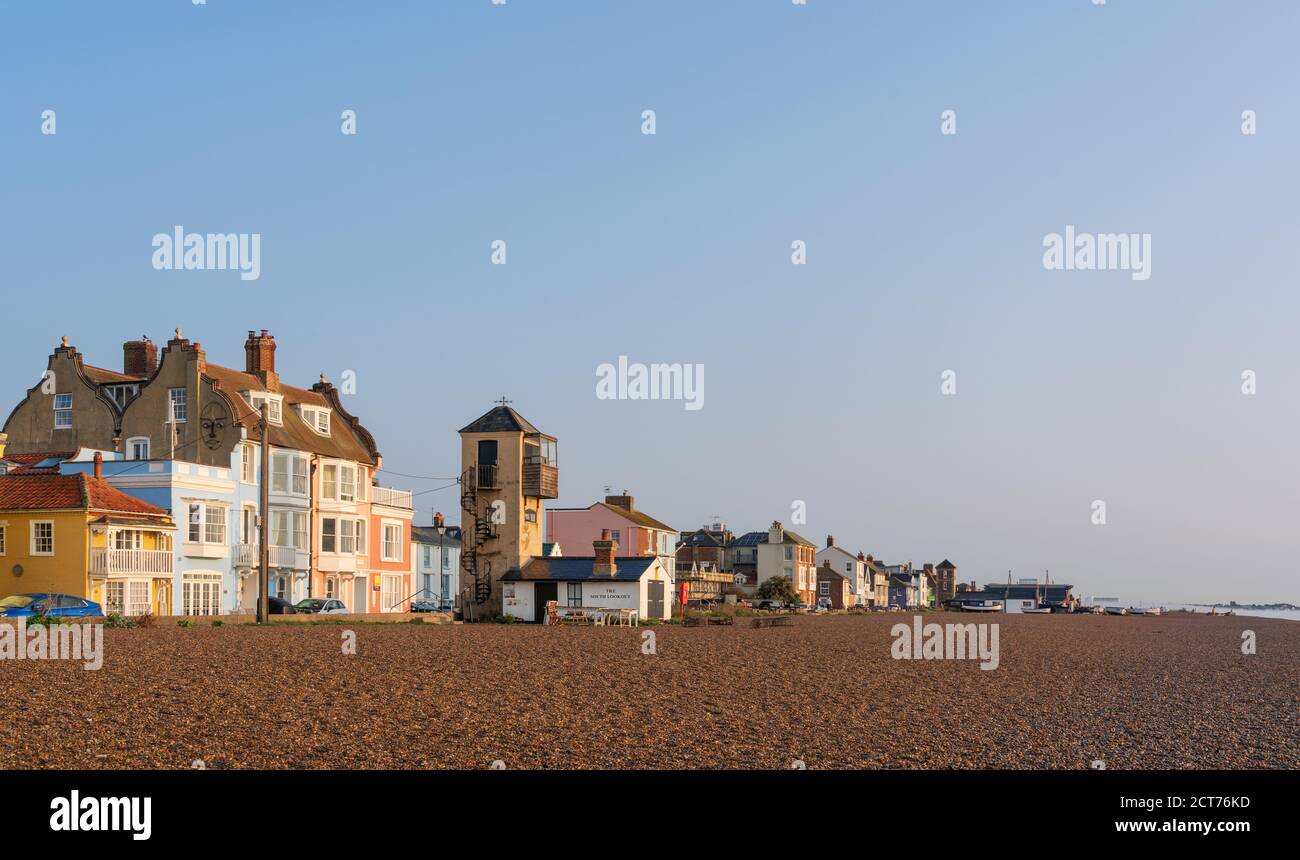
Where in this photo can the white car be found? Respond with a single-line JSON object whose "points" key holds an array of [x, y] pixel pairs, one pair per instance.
{"points": [[320, 606]]}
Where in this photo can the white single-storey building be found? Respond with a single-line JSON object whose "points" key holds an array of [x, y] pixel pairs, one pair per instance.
{"points": [[601, 581]]}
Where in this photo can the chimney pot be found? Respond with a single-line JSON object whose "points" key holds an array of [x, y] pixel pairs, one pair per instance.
{"points": [[830, 540], [99, 466]]}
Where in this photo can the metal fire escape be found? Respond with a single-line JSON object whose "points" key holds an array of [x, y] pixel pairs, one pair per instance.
{"points": [[483, 530]]}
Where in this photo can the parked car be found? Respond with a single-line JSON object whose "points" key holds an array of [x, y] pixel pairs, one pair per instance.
{"points": [[53, 605], [771, 605], [280, 606], [319, 606], [426, 606], [798, 607]]}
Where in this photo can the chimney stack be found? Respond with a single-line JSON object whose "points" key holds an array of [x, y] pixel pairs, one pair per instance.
{"points": [[830, 541], [99, 466], [624, 501], [438, 520], [139, 357], [604, 550], [259, 358]]}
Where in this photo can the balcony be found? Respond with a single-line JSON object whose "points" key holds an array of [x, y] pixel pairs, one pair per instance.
{"points": [[391, 497], [541, 480], [486, 477], [131, 562], [247, 555]]}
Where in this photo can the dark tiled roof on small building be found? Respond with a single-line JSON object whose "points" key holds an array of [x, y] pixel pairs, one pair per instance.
{"points": [[578, 569], [501, 419]]}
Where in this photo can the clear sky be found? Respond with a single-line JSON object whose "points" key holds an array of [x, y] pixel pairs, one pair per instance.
{"points": [[775, 122]]}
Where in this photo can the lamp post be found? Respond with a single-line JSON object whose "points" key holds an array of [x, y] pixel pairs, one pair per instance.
{"points": [[442, 558]]}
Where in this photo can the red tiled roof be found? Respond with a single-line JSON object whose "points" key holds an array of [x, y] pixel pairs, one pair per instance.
{"points": [[68, 493]]}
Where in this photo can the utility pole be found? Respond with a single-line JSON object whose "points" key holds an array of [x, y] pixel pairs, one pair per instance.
{"points": [[264, 514]]}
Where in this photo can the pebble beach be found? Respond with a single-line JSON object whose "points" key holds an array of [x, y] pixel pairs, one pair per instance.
{"points": [[1174, 691]]}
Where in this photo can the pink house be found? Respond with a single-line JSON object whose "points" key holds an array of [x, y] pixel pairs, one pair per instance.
{"points": [[636, 533]]}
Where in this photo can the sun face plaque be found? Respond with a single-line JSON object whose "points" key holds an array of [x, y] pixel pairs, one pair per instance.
{"points": [[212, 422]]}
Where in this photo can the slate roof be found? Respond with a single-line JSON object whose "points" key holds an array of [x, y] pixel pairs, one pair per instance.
{"points": [[68, 492], [293, 432], [945, 565], [429, 535], [31, 464], [569, 569], [501, 419]]}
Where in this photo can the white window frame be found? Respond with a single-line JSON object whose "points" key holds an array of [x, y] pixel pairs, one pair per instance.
{"points": [[395, 542], [133, 442], [49, 537], [329, 481], [347, 483], [247, 465], [206, 521], [361, 537], [62, 414], [300, 530], [332, 532], [276, 411], [178, 404], [201, 593]]}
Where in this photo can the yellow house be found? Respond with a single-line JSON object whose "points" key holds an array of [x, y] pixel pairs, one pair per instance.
{"points": [[76, 535]]}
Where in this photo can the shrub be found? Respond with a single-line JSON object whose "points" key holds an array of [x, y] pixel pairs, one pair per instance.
{"points": [[217, 622], [778, 588], [115, 620], [148, 619], [185, 622]]}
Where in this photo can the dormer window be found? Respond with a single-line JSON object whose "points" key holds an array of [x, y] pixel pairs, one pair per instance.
{"points": [[274, 403], [317, 419]]}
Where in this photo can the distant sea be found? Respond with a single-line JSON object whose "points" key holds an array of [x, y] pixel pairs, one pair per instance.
{"points": [[1289, 614]]}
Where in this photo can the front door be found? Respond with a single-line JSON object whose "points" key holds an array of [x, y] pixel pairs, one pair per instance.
{"points": [[543, 592], [655, 599], [359, 594]]}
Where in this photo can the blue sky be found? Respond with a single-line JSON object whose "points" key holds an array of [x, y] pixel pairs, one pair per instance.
{"points": [[775, 122]]}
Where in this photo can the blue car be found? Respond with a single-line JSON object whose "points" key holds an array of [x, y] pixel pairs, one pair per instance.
{"points": [[53, 605]]}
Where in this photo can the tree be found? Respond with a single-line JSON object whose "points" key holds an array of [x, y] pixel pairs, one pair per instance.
{"points": [[778, 588]]}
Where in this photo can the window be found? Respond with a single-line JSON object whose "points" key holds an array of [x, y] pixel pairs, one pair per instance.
{"points": [[616, 534], [273, 413], [42, 537], [176, 397], [122, 394], [63, 412], [300, 476], [321, 421], [214, 526], [574, 593], [115, 597], [247, 464], [201, 594], [361, 537], [248, 526], [206, 523], [361, 484], [3, 529], [347, 483], [530, 516], [300, 530], [128, 539], [390, 592], [392, 542], [137, 597], [329, 535], [137, 448], [348, 536], [330, 482], [280, 521], [428, 557], [446, 561], [825, 588], [789, 554], [289, 474], [280, 587], [331, 587]]}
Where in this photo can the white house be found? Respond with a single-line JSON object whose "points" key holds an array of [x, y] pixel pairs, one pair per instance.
{"points": [[853, 567], [599, 581]]}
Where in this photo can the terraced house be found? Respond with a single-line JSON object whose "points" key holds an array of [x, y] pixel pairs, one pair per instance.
{"points": [[76, 535], [185, 434]]}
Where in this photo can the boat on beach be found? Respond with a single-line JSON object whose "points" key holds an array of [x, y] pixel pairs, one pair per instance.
{"points": [[983, 606], [1116, 610]]}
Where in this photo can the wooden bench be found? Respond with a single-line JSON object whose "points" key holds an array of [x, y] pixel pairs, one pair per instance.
{"points": [[772, 621]]}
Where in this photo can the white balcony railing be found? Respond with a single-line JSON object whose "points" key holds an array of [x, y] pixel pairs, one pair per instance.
{"points": [[247, 555], [107, 562], [390, 497]]}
